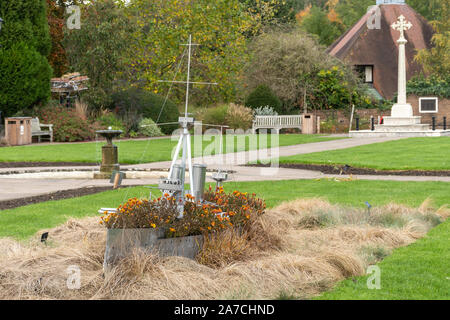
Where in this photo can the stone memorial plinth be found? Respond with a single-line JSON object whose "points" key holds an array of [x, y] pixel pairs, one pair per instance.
{"points": [[402, 122]]}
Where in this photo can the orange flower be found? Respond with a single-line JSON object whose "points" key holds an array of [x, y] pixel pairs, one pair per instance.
{"points": [[172, 230]]}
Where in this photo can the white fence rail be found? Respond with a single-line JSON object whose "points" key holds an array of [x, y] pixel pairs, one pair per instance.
{"points": [[277, 122]]}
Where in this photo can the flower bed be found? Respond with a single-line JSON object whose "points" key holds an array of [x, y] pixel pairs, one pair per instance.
{"points": [[154, 221]]}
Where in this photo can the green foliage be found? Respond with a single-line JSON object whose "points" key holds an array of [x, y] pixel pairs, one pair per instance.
{"points": [[25, 43], [25, 21], [434, 85], [146, 104], [67, 125], [263, 96], [220, 27], [318, 24], [110, 120], [293, 65], [430, 9], [351, 11], [24, 78], [215, 115], [148, 128], [334, 92], [436, 60], [99, 48]]}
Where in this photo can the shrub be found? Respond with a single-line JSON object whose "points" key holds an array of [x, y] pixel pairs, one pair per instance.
{"points": [[239, 117], [148, 128], [24, 78], [147, 105], [233, 210], [110, 120], [215, 115], [263, 96], [265, 111], [433, 86], [67, 125]]}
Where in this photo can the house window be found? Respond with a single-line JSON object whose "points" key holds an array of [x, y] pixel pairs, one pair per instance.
{"points": [[365, 72], [428, 105]]}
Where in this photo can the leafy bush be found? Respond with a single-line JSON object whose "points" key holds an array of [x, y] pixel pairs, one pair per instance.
{"points": [[239, 117], [234, 210], [67, 125], [432, 86], [147, 105], [265, 111], [148, 128], [215, 115], [24, 78], [110, 120], [263, 96], [332, 91]]}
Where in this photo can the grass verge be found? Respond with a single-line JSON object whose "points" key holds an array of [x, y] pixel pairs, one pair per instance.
{"points": [[405, 154], [143, 151], [419, 271]]}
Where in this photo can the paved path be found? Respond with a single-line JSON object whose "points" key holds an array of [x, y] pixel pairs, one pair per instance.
{"points": [[20, 188]]}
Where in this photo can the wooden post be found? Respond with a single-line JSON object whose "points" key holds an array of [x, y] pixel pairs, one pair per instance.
{"points": [[318, 124], [351, 117], [116, 180]]}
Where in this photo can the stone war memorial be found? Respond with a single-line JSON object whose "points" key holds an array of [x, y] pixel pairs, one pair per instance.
{"points": [[402, 122]]}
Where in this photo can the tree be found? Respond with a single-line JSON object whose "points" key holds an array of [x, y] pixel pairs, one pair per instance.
{"points": [[25, 44], [290, 63], [221, 29], [100, 48], [351, 11], [57, 57], [325, 26], [430, 9], [437, 59]]}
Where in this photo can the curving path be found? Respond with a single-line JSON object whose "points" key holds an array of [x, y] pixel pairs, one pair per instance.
{"points": [[22, 188]]}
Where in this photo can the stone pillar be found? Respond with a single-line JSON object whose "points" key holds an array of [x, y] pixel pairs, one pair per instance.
{"points": [[110, 159], [402, 109]]}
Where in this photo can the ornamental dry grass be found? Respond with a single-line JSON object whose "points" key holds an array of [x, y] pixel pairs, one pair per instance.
{"points": [[298, 249]]}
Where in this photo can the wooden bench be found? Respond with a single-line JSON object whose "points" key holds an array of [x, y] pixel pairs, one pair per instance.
{"points": [[277, 122], [36, 130]]}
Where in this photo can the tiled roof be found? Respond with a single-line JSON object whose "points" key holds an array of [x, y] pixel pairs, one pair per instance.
{"points": [[378, 47]]}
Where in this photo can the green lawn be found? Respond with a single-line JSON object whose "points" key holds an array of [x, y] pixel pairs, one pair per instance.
{"points": [[23, 222], [419, 271], [404, 154], [138, 151]]}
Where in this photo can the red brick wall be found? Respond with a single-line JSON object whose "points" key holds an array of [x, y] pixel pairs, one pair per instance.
{"points": [[443, 110]]}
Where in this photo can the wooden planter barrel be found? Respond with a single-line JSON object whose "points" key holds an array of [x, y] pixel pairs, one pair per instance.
{"points": [[121, 242]]}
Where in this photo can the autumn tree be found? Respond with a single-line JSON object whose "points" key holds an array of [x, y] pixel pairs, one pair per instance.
{"points": [[57, 57], [219, 27], [436, 60], [295, 66], [100, 48]]}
